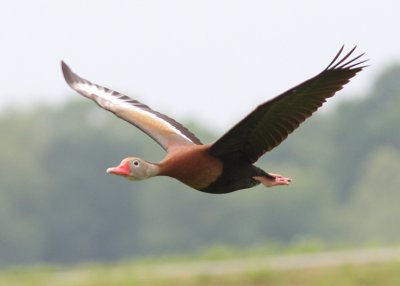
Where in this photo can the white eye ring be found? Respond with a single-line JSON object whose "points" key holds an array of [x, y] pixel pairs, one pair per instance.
{"points": [[136, 163]]}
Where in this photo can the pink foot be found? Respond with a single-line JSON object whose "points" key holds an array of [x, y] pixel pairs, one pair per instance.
{"points": [[277, 181]]}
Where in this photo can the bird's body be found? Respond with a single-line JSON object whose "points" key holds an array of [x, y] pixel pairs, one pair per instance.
{"points": [[219, 176], [192, 172], [227, 164]]}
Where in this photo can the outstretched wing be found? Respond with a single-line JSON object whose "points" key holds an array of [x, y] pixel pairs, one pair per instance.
{"points": [[164, 130], [271, 122]]}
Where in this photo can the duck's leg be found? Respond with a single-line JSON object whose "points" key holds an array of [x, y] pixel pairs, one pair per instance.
{"points": [[272, 180]]}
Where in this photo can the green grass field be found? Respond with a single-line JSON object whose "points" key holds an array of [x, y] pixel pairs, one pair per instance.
{"points": [[355, 268], [369, 274]]}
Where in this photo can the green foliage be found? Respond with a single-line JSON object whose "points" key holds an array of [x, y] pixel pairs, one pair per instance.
{"points": [[125, 274], [57, 204], [375, 204]]}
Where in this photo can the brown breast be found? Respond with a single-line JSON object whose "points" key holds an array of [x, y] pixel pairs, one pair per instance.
{"points": [[192, 165]]}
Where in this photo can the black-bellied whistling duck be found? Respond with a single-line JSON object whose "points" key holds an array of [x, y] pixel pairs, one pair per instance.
{"points": [[225, 165]]}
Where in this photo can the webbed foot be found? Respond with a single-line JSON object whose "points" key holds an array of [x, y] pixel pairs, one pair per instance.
{"points": [[276, 180]]}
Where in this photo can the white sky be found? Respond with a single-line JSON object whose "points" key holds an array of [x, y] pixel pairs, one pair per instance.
{"points": [[211, 60]]}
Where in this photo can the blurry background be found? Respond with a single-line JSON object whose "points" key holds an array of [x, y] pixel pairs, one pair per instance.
{"points": [[207, 64]]}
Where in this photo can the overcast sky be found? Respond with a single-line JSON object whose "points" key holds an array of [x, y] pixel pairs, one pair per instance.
{"points": [[211, 60]]}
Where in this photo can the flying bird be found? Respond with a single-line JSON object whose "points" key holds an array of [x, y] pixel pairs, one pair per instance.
{"points": [[227, 164]]}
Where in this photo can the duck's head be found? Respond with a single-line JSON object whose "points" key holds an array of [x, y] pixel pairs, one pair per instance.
{"points": [[134, 169]]}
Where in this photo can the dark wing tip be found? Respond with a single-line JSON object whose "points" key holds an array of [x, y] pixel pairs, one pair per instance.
{"points": [[68, 74], [351, 64]]}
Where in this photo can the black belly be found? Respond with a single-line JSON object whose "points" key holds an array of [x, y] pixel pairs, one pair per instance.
{"points": [[236, 175]]}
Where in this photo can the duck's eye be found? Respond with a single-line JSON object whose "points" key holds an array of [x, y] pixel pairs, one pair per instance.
{"points": [[136, 163]]}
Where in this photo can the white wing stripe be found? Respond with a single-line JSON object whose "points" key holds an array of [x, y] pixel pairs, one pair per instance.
{"points": [[163, 129], [111, 100]]}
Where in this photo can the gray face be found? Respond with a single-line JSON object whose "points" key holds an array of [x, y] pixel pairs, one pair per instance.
{"points": [[138, 169]]}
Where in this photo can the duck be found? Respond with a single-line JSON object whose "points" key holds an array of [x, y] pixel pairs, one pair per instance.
{"points": [[228, 163]]}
